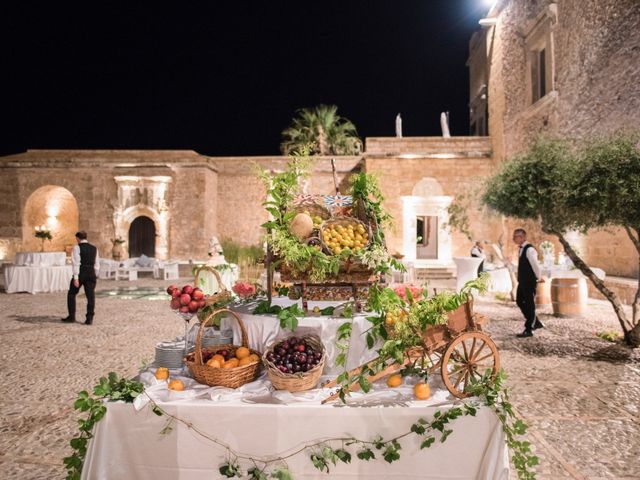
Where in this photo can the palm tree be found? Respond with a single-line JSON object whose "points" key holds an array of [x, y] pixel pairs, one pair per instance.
{"points": [[322, 127]]}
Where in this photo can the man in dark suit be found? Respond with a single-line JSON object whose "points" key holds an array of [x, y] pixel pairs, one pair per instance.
{"points": [[528, 278], [85, 262]]}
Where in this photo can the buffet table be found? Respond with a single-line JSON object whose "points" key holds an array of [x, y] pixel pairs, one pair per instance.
{"points": [[37, 279], [127, 443]]}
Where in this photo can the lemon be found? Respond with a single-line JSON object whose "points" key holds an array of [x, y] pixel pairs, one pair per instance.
{"points": [[421, 391], [176, 385], [242, 352], [162, 373]]}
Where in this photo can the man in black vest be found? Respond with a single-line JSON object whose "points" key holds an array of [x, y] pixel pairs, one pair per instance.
{"points": [[85, 262], [528, 278]]}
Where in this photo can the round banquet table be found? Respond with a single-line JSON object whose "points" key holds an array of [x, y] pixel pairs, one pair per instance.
{"points": [[41, 259], [37, 279], [263, 330]]}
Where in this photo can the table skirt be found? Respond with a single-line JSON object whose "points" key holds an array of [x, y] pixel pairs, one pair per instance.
{"points": [[128, 443], [37, 279]]}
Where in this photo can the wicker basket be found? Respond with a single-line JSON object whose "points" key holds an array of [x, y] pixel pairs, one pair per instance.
{"points": [[223, 377], [342, 221], [313, 208], [296, 382], [223, 295]]}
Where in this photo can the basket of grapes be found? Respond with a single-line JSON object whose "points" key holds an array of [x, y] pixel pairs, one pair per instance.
{"points": [[296, 363]]}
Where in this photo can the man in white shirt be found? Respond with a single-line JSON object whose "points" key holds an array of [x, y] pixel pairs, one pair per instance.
{"points": [[528, 278], [478, 252], [86, 264]]}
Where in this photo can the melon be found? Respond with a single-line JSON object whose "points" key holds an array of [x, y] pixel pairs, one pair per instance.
{"points": [[301, 226]]}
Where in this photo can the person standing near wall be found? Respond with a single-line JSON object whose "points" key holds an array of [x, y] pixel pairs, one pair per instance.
{"points": [[86, 264], [478, 252], [528, 278]]}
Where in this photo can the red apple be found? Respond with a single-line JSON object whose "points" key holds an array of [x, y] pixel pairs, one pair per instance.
{"points": [[187, 289], [184, 309], [197, 294], [171, 288], [176, 293], [193, 306], [201, 303], [175, 303], [185, 299]]}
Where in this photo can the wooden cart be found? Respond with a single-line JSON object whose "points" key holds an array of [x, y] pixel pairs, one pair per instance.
{"points": [[458, 348]]}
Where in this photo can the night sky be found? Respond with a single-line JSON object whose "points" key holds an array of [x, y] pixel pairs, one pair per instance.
{"points": [[225, 78]]}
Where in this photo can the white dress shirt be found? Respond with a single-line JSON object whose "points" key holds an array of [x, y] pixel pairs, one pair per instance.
{"points": [[75, 260], [476, 252], [532, 256]]}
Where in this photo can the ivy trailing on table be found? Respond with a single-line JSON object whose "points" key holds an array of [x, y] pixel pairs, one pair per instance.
{"points": [[109, 388]]}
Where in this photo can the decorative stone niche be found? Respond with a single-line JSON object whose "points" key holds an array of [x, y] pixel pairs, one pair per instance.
{"points": [[143, 196]]}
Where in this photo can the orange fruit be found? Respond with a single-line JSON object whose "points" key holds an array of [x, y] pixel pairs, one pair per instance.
{"points": [[394, 380], [214, 363], [242, 352], [231, 363], [219, 358], [176, 385], [255, 357], [162, 373], [246, 361], [421, 391]]}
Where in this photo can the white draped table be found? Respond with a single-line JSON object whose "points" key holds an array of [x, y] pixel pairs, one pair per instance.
{"points": [[41, 259], [128, 443], [37, 279]]}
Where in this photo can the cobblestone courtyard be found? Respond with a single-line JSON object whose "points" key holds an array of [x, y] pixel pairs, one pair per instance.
{"points": [[580, 394]]}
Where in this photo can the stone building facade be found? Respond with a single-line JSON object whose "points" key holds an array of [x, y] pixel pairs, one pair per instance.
{"points": [[568, 68], [189, 198]]}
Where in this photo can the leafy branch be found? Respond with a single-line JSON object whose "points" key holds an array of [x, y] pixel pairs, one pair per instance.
{"points": [[109, 388]]}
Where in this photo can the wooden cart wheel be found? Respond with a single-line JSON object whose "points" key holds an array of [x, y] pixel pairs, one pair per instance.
{"points": [[469, 355]]}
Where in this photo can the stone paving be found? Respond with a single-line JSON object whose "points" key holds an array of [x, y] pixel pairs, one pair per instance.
{"points": [[580, 394]]}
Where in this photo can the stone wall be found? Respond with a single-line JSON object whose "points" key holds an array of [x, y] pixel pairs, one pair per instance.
{"points": [[596, 72]]}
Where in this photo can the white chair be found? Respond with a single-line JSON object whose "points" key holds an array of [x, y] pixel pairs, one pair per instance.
{"points": [[170, 271], [108, 269]]}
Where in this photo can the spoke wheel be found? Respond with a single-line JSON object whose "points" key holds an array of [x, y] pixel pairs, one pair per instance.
{"points": [[469, 356]]}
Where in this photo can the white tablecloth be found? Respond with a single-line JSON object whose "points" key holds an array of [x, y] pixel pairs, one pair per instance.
{"points": [[561, 272], [37, 279], [263, 330], [127, 443], [467, 270], [209, 284], [499, 280], [41, 259]]}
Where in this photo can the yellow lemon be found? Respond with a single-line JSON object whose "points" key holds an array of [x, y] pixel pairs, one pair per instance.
{"points": [[246, 361], [254, 357], [214, 363], [232, 363], [394, 380]]}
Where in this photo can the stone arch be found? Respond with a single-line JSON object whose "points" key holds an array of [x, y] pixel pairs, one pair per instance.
{"points": [[123, 224], [56, 208], [427, 187]]}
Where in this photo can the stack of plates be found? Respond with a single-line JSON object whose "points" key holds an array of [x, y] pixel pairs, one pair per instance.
{"points": [[169, 354]]}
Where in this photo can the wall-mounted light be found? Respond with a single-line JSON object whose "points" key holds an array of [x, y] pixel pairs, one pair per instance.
{"points": [[488, 22]]}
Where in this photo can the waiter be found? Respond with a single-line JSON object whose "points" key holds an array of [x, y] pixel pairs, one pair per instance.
{"points": [[528, 278], [84, 259]]}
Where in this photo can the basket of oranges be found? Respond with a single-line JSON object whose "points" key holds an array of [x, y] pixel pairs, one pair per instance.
{"points": [[223, 365], [341, 233]]}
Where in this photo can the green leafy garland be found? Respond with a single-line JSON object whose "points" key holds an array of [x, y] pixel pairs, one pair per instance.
{"points": [[323, 453], [109, 388]]}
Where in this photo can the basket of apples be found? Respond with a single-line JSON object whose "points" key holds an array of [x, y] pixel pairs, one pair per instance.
{"points": [[186, 300], [296, 363]]}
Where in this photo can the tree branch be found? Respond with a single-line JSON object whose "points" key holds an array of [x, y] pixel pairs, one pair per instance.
{"points": [[626, 325]]}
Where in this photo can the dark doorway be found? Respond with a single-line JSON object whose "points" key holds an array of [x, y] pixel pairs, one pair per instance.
{"points": [[142, 237]]}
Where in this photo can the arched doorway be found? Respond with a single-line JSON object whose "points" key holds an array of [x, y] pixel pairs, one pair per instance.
{"points": [[56, 208], [142, 237]]}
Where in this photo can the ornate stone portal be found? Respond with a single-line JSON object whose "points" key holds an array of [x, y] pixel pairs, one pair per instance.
{"points": [[143, 196]]}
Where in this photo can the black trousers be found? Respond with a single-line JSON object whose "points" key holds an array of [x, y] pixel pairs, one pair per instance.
{"points": [[89, 284], [526, 300]]}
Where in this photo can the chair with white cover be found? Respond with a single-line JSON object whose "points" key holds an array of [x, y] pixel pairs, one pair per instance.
{"points": [[170, 271], [467, 270]]}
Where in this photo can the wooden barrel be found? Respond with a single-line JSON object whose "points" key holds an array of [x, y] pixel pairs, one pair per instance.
{"points": [[543, 293], [569, 296]]}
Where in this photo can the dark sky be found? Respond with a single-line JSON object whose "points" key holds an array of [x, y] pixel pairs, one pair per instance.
{"points": [[225, 77]]}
